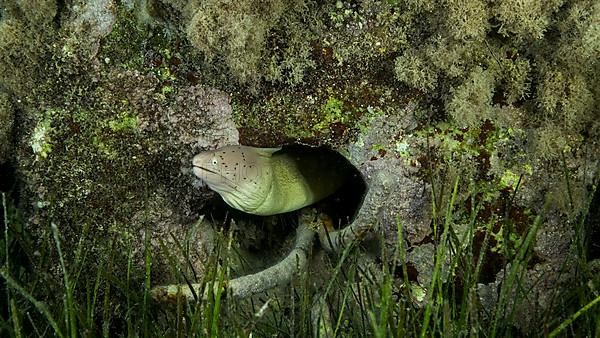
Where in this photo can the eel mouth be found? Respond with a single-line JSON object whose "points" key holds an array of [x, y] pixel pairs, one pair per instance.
{"points": [[206, 175], [206, 169]]}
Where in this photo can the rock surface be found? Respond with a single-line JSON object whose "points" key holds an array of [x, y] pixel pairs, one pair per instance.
{"points": [[6, 125], [395, 192]]}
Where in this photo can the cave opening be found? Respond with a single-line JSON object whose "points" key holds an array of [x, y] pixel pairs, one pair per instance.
{"points": [[317, 165]]}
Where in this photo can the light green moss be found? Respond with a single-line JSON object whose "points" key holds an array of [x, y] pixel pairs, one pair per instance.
{"points": [[104, 149], [331, 112], [486, 72], [500, 246], [525, 19], [415, 72], [241, 33], [455, 58], [126, 122], [581, 32], [580, 37], [551, 140], [467, 19], [41, 139], [513, 77], [509, 179], [566, 99], [471, 102]]}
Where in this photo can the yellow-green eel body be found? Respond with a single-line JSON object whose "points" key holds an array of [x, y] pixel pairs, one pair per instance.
{"points": [[269, 181]]}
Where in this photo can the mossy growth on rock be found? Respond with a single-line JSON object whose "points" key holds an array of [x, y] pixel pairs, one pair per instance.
{"points": [[256, 41], [101, 146], [6, 126], [113, 163], [26, 28], [328, 115], [518, 63]]}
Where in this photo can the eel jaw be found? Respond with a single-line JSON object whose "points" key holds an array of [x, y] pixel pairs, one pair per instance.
{"points": [[205, 174], [198, 170], [213, 179]]}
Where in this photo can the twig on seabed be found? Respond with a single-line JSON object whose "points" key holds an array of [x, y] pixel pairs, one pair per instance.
{"points": [[246, 286], [337, 240]]}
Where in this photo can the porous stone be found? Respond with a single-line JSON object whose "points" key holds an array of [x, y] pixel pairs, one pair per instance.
{"points": [[396, 196]]}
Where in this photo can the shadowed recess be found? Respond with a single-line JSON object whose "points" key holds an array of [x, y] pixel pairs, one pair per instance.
{"points": [[593, 224], [7, 177]]}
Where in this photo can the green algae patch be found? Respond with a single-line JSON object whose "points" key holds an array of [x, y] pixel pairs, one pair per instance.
{"points": [[124, 123], [509, 180], [332, 112], [41, 142], [320, 115], [42, 136]]}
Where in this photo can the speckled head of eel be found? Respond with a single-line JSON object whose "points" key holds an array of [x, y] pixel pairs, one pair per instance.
{"points": [[241, 175], [269, 181]]}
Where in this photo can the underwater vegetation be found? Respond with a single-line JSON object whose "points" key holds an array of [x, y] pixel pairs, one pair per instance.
{"points": [[476, 124]]}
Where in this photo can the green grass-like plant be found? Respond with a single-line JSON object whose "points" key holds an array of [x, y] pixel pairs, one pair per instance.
{"points": [[357, 299]]}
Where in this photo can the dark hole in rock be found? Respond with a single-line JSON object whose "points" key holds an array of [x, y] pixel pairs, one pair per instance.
{"points": [[7, 177], [7, 182], [9, 185], [593, 225], [341, 206], [492, 261], [411, 272]]}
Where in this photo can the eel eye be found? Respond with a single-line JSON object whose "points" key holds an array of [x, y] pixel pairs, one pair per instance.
{"points": [[214, 162]]}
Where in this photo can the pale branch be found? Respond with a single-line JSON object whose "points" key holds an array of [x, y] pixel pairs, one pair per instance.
{"points": [[246, 286], [336, 241], [280, 273]]}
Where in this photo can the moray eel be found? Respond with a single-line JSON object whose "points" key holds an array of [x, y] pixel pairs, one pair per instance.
{"points": [[270, 181]]}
